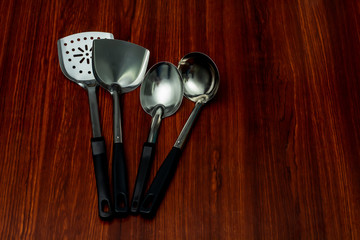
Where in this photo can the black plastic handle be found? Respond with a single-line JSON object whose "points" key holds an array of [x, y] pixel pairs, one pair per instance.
{"points": [[160, 183], [142, 175], [119, 180], [102, 178]]}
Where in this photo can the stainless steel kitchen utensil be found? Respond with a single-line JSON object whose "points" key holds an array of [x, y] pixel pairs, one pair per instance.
{"points": [[201, 81], [161, 94], [119, 67], [75, 61]]}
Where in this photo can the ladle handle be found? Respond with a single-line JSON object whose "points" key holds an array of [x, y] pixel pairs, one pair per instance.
{"points": [[160, 183], [142, 175], [102, 178], [119, 180]]}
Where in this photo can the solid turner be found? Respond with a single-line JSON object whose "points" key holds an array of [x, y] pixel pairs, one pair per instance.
{"points": [[75, 61], [119, 67]]}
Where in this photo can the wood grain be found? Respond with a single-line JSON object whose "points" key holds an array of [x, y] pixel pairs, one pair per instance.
{"points": [[274, 156]]}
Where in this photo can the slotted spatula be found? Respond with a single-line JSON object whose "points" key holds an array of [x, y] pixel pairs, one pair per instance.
{"points": [[75, 56]]}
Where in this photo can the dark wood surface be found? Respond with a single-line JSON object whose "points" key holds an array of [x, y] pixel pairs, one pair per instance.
{"points": [[276, 154]]}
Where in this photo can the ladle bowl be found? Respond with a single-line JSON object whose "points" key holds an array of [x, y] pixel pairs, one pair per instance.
{"points": [[200, 77]]}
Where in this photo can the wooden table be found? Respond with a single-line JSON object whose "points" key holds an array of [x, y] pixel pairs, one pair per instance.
{"points": [[276, 154]]}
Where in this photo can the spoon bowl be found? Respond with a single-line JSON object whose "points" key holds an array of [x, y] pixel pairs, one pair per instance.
{"points": [[162, 87]]}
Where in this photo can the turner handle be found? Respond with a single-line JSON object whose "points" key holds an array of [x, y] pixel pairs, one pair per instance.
{"points": [[101, 175], [142, 175], [160, 183], [119, 180]]}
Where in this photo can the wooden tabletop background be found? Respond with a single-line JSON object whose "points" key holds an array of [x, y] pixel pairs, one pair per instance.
{"points": [[275, 155]]}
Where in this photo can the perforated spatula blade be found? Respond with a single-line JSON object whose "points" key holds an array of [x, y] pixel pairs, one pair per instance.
{"points": [[75, 57]]}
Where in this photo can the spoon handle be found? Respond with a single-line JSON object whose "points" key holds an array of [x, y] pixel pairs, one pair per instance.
{"points": [[147, 157], [180, 141], [160, 183], [101, 175], [165, 173], [119, 180]]}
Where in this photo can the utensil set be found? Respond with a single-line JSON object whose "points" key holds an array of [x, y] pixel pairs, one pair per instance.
{"points": [[96, 58]]}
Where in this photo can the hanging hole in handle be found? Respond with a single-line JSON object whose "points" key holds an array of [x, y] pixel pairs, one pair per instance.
{"points": [[135, 204], [121, 201], [148, 202], [105, 206]]}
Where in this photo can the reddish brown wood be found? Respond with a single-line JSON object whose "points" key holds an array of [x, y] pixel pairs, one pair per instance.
{"points": [[274, 156]]}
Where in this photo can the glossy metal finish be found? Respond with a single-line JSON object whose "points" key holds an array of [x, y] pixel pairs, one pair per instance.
{"points": [[116, 117], [201, 81], [200, 77], [75, 56], [155, 125], [75, 62], [187, 127], [162, 89], [94, 112], [119, 67]]}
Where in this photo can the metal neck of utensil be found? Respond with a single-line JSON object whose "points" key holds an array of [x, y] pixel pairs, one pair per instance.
{"points": [[94, 112], [155, 124], [117, 117], [189, 123]]}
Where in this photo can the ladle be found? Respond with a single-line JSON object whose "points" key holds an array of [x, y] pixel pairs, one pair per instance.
{"points": [[119, 67], [201, 81], [161, 94]]}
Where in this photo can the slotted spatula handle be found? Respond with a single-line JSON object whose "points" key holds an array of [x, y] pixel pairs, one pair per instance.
{"points": [[101, 175]]}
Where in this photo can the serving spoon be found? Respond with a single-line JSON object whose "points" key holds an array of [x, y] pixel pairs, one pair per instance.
{"points": [[161, 94], [201, 81]]}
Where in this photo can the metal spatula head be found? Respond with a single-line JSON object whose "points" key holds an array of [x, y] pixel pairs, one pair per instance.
{"points": [[119, 64], [75, 56], [119, 67]]}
